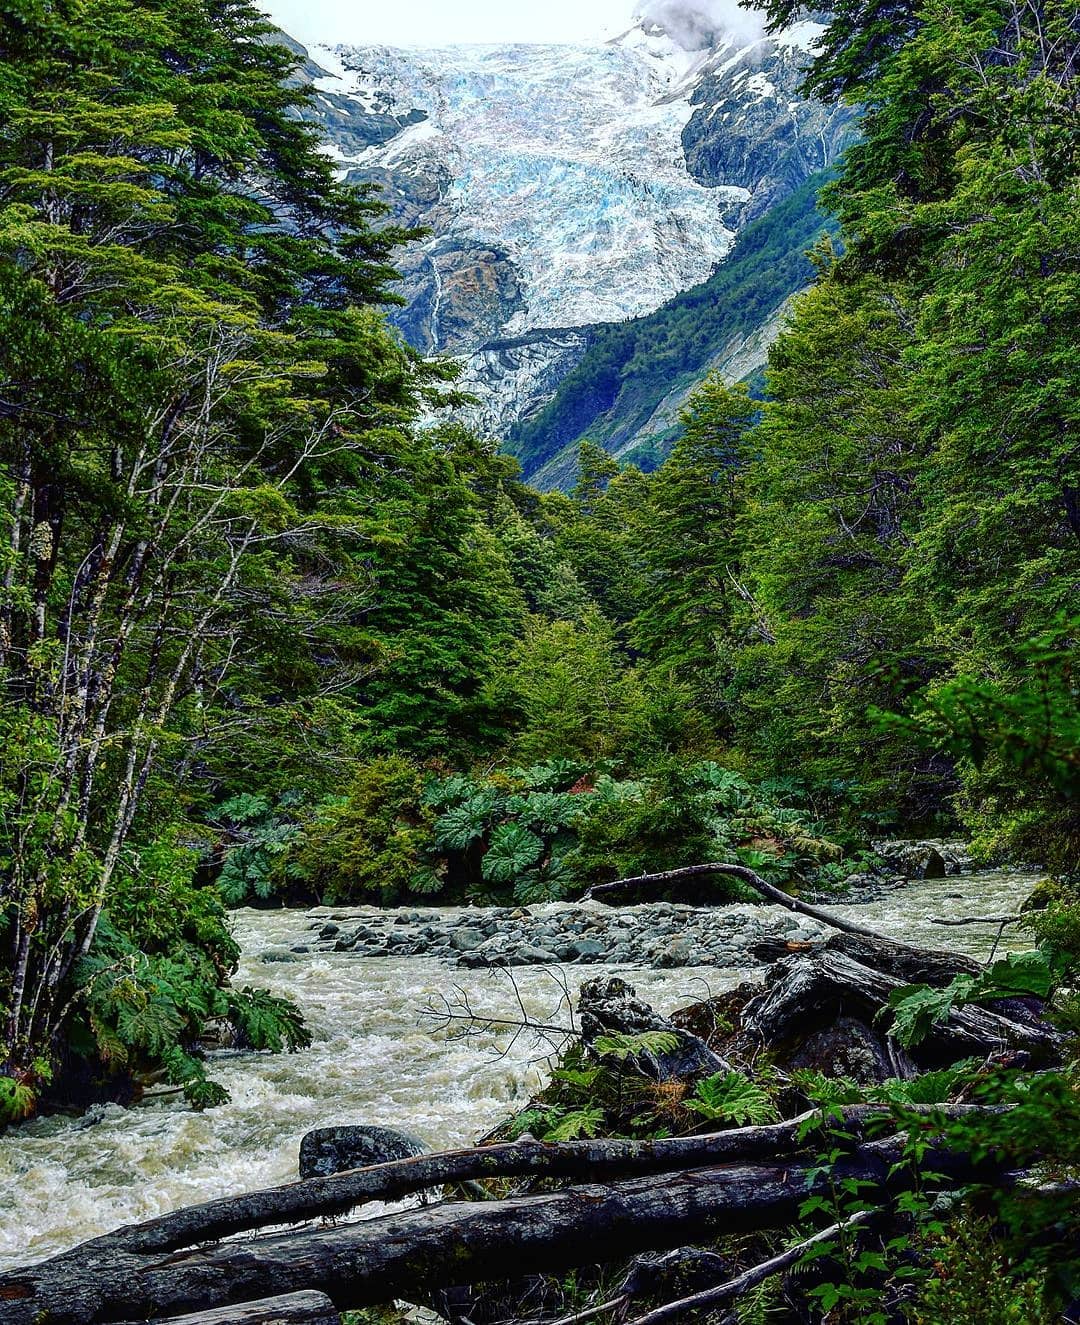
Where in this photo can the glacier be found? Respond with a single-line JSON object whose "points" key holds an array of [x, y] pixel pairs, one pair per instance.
{"points": [[564, 186], [567, 158]]}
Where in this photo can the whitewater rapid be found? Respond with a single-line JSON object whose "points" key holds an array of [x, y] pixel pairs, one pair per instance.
{"points": [[375, 1059]]}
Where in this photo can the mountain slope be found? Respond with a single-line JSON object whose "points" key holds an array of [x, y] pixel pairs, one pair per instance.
{"points": [[626, 391]]}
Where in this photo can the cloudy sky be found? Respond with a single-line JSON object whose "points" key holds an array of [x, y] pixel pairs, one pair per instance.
{"points": [[434, 22]]}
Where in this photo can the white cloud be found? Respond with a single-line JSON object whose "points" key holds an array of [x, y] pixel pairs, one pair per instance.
{"points": [[692, 22], [440, 22]]}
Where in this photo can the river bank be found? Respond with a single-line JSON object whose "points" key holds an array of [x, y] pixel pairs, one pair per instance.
{"points": [[374, 1059]]}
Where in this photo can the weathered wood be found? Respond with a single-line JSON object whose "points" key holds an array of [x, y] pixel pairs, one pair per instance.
{"points": [[415, 1253], [911, 966], [294, 1309], [978, 920], [744, 875], [803, 992], [581, 1161]]}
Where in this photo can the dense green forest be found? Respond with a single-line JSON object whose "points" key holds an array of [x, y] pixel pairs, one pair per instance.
{"points": [[268, 635]]}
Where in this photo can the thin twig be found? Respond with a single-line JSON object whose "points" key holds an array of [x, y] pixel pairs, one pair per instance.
{"points": [[734, 1288]]}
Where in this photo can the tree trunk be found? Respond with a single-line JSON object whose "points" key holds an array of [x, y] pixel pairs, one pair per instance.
{"points": [[294, 1309], [412, 1254]]}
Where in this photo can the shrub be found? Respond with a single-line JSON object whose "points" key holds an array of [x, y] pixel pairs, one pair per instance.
{"points": [[370, 845]]}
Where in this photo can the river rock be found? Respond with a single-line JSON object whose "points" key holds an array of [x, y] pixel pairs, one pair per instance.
{"points": [[527, 955], [610, 1005], [676, 953], [925, 859], [464, 940], [329, 1150]]}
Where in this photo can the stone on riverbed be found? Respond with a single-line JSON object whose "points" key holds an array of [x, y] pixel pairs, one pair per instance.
{"points": [[610, 1006], [330, 1150], [661, 935]]}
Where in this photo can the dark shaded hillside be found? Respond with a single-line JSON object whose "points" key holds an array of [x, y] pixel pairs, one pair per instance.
{"points": [[631, 367]]}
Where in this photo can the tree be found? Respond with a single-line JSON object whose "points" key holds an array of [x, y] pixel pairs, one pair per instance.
{"points": [[186, 379], [830, 515], [569, 690], [687, 546]]}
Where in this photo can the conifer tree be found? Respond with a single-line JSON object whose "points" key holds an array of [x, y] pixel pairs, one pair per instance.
{"points": [[687, 545]]}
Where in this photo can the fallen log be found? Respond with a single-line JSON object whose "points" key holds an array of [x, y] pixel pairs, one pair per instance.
{"points": [[413, 1254], [802, 993], [295, 1309], [740, 872], [581, 1161], [908, 965]]}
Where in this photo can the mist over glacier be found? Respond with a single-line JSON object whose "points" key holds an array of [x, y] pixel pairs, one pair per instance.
{"points": [[697, 24]]}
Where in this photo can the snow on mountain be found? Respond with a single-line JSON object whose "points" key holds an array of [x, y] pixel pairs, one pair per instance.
{"points": [[565, 159], [563, 185]]}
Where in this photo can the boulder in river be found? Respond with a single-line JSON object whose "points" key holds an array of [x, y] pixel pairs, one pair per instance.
{"points": [[330, 1150], [609, 1006], [926, 859]]}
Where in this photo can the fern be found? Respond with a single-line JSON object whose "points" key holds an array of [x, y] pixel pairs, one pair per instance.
{"points": [[148, 1023], [759, 1305], [182, 1070], [110, 1046], [17, 1100], [623, 1045], [572, 1126], [579, 1078], [826, 1091], [732, 1097], [266, 1021], [928, 1088]]}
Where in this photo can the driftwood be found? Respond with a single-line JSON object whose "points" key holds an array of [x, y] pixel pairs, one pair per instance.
{"points": [[294, 1309], [417, 1252], [619, 888], [803, 993], [581, 1161], [908, 965]]}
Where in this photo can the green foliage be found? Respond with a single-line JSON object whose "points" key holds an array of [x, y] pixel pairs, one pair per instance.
{"points": [[156, 983], [18, 1100], [511, 852], [917, 1009], [685, 814], [686, 546], [371, 843], [571, 694], [260, 835], [975, 1284], [205, 436], [732, 1097], [624, 1046]]}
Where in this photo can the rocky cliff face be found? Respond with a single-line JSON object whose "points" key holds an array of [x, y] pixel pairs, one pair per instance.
{"points": [[565, 186]]}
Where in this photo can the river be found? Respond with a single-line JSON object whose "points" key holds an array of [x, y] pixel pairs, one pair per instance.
{"points": [[375, 1059]]}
